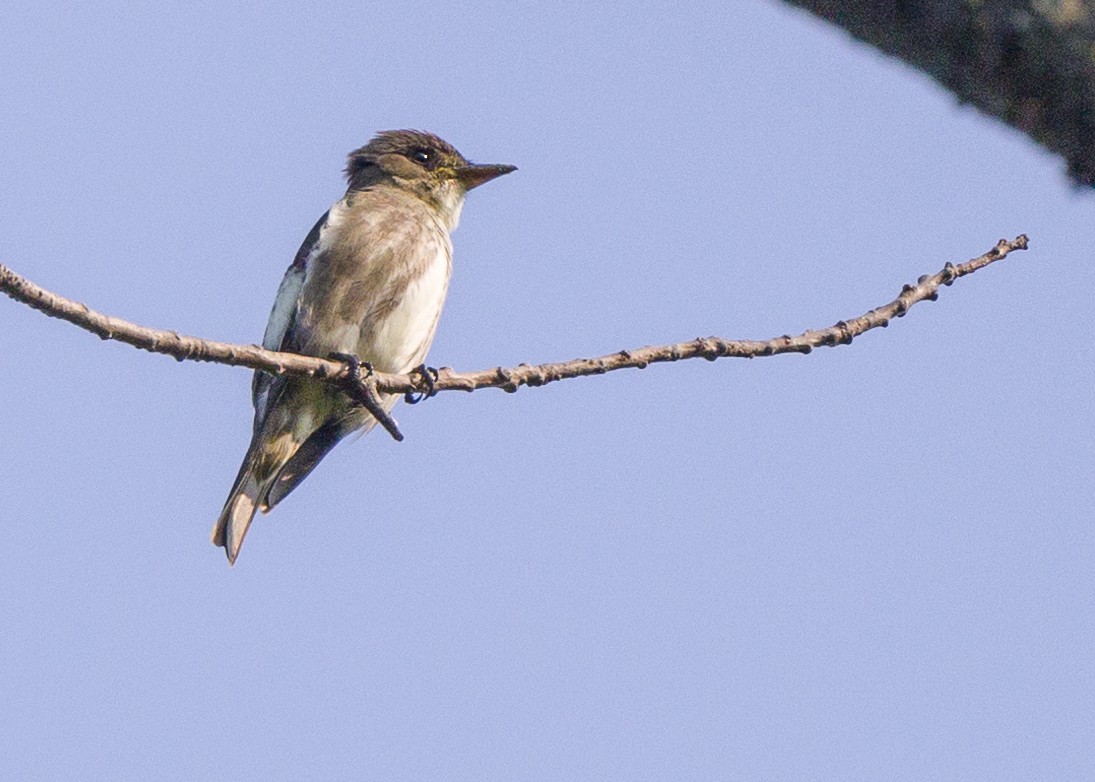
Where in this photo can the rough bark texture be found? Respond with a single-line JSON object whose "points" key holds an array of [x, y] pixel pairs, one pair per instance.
{"points": [[1029, 62]]}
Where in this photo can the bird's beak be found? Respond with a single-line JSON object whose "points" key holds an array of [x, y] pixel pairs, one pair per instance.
{"points": [[474, 174]]}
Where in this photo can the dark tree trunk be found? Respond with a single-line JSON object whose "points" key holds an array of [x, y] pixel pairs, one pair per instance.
{"points": [[1029, 62]]}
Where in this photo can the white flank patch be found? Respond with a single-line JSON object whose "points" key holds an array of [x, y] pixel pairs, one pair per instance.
{"points": [[285, 303], [284, 306]]}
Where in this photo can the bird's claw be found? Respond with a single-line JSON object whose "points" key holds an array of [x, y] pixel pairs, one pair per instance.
{"points": [[361, 387], [354, 365], [430, 377]]}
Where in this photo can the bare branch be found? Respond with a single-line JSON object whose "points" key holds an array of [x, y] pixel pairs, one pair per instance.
{"points": [[186, 348]]}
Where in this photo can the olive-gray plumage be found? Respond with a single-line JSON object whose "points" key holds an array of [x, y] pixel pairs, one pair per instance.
{"points": [[370, 281]]}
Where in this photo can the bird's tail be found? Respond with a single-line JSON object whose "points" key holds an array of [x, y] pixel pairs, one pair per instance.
{"points": [[239, 510], [281, 455], [264, 460]]}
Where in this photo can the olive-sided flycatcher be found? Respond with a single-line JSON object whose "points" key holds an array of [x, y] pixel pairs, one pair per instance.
{"points": [[369, 281]]}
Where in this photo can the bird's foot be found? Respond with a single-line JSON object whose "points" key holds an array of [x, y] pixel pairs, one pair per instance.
{"points": [[429, 377], [354, 365], [361, 387]]}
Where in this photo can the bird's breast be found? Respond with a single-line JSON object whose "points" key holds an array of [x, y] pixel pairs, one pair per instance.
{"points": [[376, 283], [397, 334]]}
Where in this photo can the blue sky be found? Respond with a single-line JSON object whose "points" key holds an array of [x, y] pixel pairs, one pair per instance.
{"points": [[872, 562]]}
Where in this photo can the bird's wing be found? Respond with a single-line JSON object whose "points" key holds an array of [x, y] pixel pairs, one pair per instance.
{"points": [[279, 329]]}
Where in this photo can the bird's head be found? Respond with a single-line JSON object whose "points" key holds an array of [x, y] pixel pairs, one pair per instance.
{"points": [[423, 164]]}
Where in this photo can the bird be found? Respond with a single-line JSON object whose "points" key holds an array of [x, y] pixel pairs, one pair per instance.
{"points": [[368, 283]]}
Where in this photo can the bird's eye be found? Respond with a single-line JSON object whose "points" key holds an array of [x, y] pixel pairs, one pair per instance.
{"points": [[422, 156]]}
